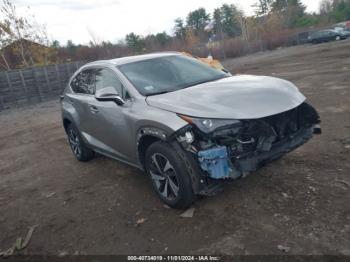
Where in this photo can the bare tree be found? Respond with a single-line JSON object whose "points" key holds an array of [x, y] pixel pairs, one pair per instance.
{"points": [[21, 30], [326, 7], [17, 25], [4, 41]]}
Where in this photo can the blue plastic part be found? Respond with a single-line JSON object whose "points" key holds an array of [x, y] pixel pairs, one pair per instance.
{"points": [[216, 162]]}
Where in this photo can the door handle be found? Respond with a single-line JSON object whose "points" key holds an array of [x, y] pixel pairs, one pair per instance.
{"points": [[93, 109]]}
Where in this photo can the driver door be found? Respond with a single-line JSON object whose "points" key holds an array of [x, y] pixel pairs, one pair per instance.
{"points": [[108, 123]]}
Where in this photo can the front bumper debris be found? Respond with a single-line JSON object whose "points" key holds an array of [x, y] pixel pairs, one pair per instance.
{"points": [[216, 162], [234, 152], [219, 165]]}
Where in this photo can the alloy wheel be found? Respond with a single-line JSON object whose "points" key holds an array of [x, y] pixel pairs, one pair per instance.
{"points": [[74, 143], [164, 176]]}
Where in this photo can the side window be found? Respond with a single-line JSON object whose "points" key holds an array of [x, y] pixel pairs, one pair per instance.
{"points": [[106, 78], [83, 83]]}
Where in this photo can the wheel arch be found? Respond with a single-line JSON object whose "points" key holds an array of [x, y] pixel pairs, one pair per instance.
{"points": [[150, 135], [66, 123], [146, 136]]}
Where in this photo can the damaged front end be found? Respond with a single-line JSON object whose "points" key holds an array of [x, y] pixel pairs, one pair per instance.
{"points": [[233, 148]]}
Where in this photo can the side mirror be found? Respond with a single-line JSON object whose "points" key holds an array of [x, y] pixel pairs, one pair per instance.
{"points": [[109, 94]]}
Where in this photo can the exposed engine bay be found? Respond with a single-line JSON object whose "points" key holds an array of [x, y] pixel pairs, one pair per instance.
{"points": [[238, 147]]}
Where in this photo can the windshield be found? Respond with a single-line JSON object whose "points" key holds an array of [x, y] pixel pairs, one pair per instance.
{"points": [[167, 74]]}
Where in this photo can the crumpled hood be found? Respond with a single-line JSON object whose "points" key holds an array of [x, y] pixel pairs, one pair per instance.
{"points": [[236, 97]]}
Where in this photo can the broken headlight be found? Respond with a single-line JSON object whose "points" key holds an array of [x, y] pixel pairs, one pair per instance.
{"points": [[210, 125]]}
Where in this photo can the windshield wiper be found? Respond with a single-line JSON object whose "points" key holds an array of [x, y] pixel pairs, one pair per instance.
{"points": [[158, 93], [205, 81], [189, 85]]}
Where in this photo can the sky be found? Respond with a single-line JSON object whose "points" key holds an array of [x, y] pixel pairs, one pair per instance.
{"points": [[111, 20]]}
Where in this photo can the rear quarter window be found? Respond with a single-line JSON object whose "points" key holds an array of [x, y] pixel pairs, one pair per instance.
{"points": [[84, 82]]}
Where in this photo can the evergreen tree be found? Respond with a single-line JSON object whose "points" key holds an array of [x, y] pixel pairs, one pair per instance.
{"points": [[289, 10], [197, 20], [180, 29], [135, 42], [227, 19], [262, 7]]}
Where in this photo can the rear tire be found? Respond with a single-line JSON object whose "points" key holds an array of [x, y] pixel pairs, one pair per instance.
{"points": [[169, 175], [79, 149], [337, 38]]}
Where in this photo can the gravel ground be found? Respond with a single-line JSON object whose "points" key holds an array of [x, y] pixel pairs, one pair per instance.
{"points": [[296, 205]]}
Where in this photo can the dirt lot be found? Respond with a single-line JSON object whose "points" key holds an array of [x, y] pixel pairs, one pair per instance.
{"points": [[300, 202]]}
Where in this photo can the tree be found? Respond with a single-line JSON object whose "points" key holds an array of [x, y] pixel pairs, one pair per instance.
{"points": [[307, 20], [283, 5], [335, 10], [191, 38], [55, 44], [156, 42], [341, 11], [217, 17], [22, 30], [71, 48], [180, 29], [4, 41], [326, 7], [17, 27], [163, 38], [262, 7], [135, 42], [227, 18], [70, 44], [197, 20], [289, 11]]}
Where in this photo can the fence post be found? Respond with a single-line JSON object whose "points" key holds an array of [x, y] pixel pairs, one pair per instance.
{"points": [[298, 39], [37, 84], [47, 81], [24, 85], [58, 77], [10, 87], [76, 65], [68, 70], [2, 102]]}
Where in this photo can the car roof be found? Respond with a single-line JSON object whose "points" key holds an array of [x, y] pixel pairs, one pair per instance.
{"points": [[328, 30], [136, 58]]}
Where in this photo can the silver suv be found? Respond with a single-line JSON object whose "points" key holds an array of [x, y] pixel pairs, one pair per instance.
{"points": [[189, 126]]}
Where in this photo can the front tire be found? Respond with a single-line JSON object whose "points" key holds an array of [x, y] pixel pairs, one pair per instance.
{"points": [[79, 149], [169, 175]]}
